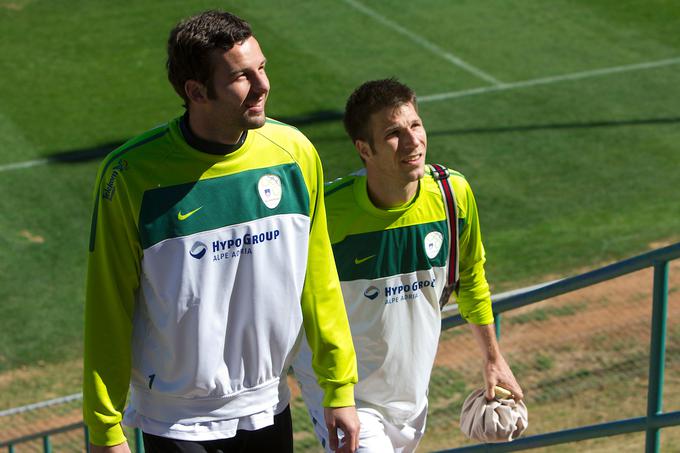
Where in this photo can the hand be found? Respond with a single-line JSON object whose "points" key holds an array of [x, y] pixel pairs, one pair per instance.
{"points": [[120, 448], [497, 372], [346, 419]]}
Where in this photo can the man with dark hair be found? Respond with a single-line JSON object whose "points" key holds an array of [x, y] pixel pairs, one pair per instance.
{"points": [[405, 237], [208, 252]]}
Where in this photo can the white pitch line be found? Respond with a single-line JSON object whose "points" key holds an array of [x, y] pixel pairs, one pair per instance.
{"points": [[471, 92], [549, 80], [424, 42], [25, 164]]}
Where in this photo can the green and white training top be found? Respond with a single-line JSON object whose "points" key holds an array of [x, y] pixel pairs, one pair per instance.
{"points": [[202, 269], [392, 266]]}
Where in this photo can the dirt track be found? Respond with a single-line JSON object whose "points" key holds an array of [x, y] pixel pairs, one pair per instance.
{"points": [[619, 308], [605, 309]]}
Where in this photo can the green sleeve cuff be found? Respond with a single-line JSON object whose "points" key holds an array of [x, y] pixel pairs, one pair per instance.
{"points": [[482, 321], [341, 396], [109, 437], [480, 315]]}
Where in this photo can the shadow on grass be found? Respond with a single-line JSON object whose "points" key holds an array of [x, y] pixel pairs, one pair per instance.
{"points": [[533, 127], [328, 116], [100, 151], [83, 154], [559, 126]]}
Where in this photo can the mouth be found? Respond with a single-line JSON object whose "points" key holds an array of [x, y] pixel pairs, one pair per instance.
{"points": [[256, 107], [412, 159]]}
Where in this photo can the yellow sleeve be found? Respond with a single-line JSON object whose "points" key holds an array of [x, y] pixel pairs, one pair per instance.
{"points": [[113, 270], [323, 308], [474, 297]]}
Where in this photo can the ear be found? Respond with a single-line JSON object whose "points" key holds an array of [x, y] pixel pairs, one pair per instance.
{"points": [[364, 149], [196, 91]]}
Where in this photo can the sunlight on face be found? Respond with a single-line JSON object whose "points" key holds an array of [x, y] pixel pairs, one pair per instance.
{"points": [[240, 85], [398, 145]]}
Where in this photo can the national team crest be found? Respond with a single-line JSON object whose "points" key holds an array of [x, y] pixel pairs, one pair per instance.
{"points": [[433, 243], [269, 188]]}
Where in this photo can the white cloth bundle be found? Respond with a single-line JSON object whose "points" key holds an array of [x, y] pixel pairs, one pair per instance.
{"points": [[498, 420]]}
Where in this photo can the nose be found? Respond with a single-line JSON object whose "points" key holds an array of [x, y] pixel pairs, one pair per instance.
{"points": [[411, 139], [260, 84]]}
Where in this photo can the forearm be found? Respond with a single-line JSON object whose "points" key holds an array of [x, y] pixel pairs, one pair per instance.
{"points": [[485, 337], [496, 369]]}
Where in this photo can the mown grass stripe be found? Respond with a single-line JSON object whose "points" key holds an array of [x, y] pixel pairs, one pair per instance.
{"points": [[435, 49], [462, 93]]}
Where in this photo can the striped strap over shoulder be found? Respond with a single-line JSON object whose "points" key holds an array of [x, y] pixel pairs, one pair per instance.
{"points": [[441, 175]]}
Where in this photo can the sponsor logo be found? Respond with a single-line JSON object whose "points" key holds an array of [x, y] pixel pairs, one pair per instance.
{"points": [[110, 188], [198, 250], [242, 245], [400, 292], [269, 188], [246, 239], [181, 216], [415, 286], [433, 243], [361, 260], [408, 291], [372, 292]]}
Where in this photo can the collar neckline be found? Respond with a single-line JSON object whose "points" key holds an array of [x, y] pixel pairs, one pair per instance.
{"points": [[208, 146], [361, 194]]}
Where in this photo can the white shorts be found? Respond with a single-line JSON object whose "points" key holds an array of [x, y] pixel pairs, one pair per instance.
{"points": [[377, 435]]}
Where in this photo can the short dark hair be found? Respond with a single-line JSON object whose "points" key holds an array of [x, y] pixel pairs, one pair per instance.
{"points": [[192, 43], [371, 97]]}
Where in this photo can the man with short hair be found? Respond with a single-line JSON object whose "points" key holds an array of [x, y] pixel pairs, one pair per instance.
{"points": [[390, 234], [208, 251]]}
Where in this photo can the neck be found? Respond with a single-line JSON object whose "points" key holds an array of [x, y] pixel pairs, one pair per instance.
{"points": [[206, 146], [390, 196], [208, 128]]}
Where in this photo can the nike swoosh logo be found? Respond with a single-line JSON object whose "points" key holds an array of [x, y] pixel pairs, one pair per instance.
{"points": [[361, 260], [181, 216]]}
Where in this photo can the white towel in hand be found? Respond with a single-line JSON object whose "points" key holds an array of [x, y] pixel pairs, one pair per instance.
{"points": [[498, 420]]}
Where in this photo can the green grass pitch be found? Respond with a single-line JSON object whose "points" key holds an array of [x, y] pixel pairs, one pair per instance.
{"points": [[563, 115]]}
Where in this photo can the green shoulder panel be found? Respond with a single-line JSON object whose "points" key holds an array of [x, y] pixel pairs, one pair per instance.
{"points": [[371, 245], [381, 254], [208, 204]]}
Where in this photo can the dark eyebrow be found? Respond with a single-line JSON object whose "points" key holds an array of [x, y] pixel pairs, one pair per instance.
{"points": [[239, 71]]}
